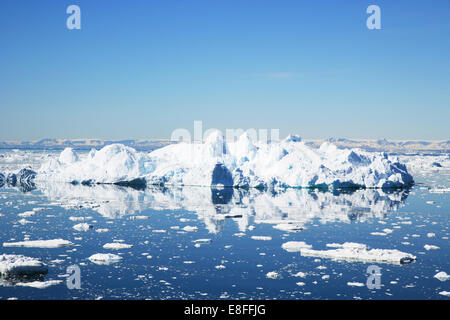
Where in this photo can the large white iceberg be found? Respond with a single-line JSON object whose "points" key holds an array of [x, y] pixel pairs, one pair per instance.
{"points": [[243, 163]]}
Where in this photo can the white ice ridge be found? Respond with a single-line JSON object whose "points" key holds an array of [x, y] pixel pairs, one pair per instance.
{"points": [[350, 251], [243, 163], [11, 263]]}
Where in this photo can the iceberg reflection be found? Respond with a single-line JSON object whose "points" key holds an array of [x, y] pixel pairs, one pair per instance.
{"points": [[288, 209]]}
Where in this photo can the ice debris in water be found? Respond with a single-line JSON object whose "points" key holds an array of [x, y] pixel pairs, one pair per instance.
{"points": [[104, 258], [82, 227], [19, 264], [350, 251], [442, 276], [117, 246], [39, 284], [242, 163], [54, 243], [273, 275]]}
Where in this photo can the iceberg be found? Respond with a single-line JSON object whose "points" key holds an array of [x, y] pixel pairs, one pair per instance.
{"points": [[242, 163]]}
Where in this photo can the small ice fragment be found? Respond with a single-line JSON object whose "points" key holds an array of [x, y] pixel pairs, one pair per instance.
{"points": [[295, 246], [355, 284], [430, 247], [82, 227], [264, 238], [273, 275], [104, 258], [190, 228], [442, 276], [117, 246], [55, 243], [39, 284]]}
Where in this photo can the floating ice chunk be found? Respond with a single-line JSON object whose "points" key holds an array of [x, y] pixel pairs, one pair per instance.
{"points": [[202, 241], [355, 284], [82, 227], [26, 214], [359, 252], [11, 263], [54, 243], [39, 284], [288, 227], [139, 217], [430, 247], [79, 218], [442, 276], [24, 221], [295, 246], [300, 274], [445, 293], [273, 275], [190, 228], [220, 267], [378, 233], [105, 258], [443, 190], [264, 238], [117, 246]]}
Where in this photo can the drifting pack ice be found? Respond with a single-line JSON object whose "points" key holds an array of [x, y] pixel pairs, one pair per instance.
{"points": [[242, 163]]}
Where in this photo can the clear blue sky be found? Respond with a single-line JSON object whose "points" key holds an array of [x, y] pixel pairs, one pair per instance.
{"points": [[140, 69]]}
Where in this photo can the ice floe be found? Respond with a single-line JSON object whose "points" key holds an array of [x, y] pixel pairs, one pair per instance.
{"points": [[442, 276], [82, 226], [105, 258], [295, 246], [117, 246], [39, 284], [354, 252], [19, 264], [54, 243], [273, 275]]}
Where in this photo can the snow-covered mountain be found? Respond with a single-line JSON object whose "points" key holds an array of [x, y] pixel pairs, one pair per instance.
{"points": [[82, 144]]}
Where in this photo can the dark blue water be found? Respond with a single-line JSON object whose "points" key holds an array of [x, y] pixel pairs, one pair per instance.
{"points": [[178, 269]]}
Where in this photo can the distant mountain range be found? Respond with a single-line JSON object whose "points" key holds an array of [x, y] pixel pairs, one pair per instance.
{"points": [[81, 144], [408, 146]]}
